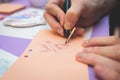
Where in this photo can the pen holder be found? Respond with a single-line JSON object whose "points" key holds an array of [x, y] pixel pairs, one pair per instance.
{"points": [[38, 3]]}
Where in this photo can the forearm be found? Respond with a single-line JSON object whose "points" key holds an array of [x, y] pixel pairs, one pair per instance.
{"points": [[105, 7]]}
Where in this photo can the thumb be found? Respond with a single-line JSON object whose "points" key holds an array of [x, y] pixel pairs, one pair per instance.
{"points": [[72, 16]]}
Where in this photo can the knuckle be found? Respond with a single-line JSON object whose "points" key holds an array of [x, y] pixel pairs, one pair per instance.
{"points": [[48, 6], [92, 40], [95, 49], [59, 14], [92, 58], [72, 14]]}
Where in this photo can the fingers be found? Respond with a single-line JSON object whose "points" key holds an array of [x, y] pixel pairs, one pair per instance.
{"points": [[53, 8], [91, 59], [106, 73], [105, 46], [112, 52], [101, 41], [53, 23], [73, 14], [95, 59]]}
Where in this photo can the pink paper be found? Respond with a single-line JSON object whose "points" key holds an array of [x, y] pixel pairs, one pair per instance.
{"points": [[48, 58]]}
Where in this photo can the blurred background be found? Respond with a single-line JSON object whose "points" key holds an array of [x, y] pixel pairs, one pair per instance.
{"points": [[33, 3]]}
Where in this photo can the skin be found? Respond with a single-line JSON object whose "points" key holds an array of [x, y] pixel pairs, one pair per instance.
{"points": [[98, 52], [103, 53], [82, 13]]}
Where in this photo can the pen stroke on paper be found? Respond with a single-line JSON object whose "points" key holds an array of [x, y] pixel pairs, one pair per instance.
{"points": [[48, 46]]}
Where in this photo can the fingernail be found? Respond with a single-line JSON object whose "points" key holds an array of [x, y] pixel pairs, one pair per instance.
{"points": [[85, 43], [82, 55], [87, 50], [68, 26]]}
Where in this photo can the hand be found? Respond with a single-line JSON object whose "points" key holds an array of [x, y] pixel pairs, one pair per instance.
{"points": [[55, 16], [87, 12], [82, 13], [103, 53], [105, 68], [105, 46]]}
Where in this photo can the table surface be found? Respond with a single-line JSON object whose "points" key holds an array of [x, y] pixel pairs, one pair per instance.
{"points": [[15, 40]]}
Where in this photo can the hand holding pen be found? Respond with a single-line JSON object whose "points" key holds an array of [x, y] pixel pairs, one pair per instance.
{"points": [[82, 13], [56, 17]]}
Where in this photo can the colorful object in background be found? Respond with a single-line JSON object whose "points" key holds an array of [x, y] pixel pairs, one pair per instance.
{"points": [[7, 8], [38, 3], [26, 18], [1, 17]]}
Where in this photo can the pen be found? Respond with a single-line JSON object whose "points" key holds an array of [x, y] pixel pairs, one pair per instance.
{"points": [[67, 6], [68, 33]]}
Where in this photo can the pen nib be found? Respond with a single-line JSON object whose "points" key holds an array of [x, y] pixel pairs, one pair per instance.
{"points": [[69, 37]]}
